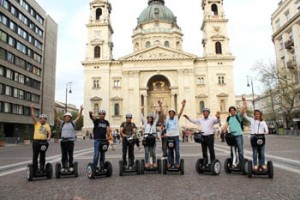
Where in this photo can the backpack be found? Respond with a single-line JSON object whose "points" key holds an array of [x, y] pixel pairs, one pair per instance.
{"points": [[238, 119]]}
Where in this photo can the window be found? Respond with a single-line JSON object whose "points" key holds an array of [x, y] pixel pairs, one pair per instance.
{"points": [[21, 79], [200, 81], [221, 80], [98, 13], [21, 94], [218, 48], [9, 74], [222, 106], [27, 96], [117, 109], [97, 52], [26, 111], [38, 44], [202, 106], [3, 19], [214, 9], [16, 93], [10, 57], [277, 24], [96, 108], [13, 10], [1, 88], [20, 110], [287, 15], [167, 44], [96, 84], [8, 91], [5, 4], [2, 54], [30, 38], [148, 44], [37, 57], [11, 41], [1, 104], [12, 26], [3, 36], [117, 83], [7, 107], [21, 47], [16, 77], [1, 71]]}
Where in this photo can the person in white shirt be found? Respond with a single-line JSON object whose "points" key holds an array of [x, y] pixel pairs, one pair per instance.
{"points": [[207, 127], [258, 126], [150, 132]]}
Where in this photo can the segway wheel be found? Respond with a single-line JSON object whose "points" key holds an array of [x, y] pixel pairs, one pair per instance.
{"points": [[108, 167], [250, 169], [244, 169], [198, 166], [49, 170], [76, 169], [165, 166], [142, 166], [29, 172], [215, 167], [90, 171], [270, 169], [181, 166], [228, 165], [121, 167], [57, 170], [138, 167], [158, 165]]}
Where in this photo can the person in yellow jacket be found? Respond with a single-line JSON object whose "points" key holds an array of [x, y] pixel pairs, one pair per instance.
{"points": [[41, 137]]}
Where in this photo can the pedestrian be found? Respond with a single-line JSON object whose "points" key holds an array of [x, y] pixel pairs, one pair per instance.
{"points": [[41, 136], [150, 135], [207, 128], [101, 132], [127, 130], [258, 129], [68, 127], [173, 131], [235, 127]]}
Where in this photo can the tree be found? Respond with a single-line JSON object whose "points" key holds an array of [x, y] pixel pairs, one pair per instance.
{"points": [[280, 86]]}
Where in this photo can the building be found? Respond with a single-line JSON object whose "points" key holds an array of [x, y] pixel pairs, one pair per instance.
{"points": [[60, 107], [158, 68], [28, 38], [286, 37], [249, 99]]}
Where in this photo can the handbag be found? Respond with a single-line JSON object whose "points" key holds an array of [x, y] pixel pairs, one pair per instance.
{"points": [[258, 140], [198, 138], [230, 139]]}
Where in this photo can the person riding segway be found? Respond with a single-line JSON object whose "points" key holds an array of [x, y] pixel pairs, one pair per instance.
{"points": [[41, 137], [128, 130], [206, 138], [67, 166], [102, 136]]}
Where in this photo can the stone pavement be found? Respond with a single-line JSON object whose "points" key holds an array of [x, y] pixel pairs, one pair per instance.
{"points": [[283, 150]]}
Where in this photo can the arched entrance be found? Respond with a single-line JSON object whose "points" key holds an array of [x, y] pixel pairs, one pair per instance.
{"points": [[158, 89]]}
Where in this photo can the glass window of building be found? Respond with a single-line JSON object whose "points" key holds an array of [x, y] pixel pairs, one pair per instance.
{"points": [[1, 71], [3, 36], [7, 107]]}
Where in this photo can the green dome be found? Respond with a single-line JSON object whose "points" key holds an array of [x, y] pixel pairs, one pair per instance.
{"points": [[156, 11]]}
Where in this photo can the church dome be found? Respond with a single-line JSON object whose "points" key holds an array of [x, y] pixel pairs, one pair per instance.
{"points": [[156, 11]]}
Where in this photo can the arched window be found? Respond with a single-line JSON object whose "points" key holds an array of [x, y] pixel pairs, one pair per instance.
{"points": [[96, 108], [98, 13], [218, 48], [214, 9], [222, 106], [117, 109], [148, 44], [97, 52], [202, 106], [136, 46], [167, 44]]}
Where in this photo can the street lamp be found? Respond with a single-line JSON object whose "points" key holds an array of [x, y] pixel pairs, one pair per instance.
{"points": [[250, 83], [68, 85]]}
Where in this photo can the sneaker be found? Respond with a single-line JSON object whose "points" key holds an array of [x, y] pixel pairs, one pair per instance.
{"points": [[146, 165], [169, 165], [130, 167], [154, 165], [63, 170], [264, 167], [71, 169], [177, 166]]}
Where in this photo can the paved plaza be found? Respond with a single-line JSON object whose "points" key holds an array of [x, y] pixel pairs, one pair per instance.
{"points": [[284, 151]]}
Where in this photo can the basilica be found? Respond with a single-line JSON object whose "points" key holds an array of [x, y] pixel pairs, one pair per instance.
{"points": [[158, 68]]}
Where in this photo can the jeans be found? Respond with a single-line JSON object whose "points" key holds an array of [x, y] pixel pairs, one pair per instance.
{"points": [[261, 158], [208, 143], [36, 152], [152, 151], [67, 149], [164, 146], [171, 152], [98, 153], [130, 147], [239, 145]]}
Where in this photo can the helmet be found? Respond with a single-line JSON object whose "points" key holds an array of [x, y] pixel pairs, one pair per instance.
{"points": [[206, 109], [101, 111], [128, 115], [149, 115], [172, 110], [68, 114], [43, 116]]}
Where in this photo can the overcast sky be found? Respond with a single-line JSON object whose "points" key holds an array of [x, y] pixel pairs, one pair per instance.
{"points": [[249, 31]]}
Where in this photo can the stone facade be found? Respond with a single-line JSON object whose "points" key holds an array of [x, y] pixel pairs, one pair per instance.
{"points": [[158, 68]]}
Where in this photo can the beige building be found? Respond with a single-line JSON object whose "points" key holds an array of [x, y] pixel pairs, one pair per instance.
{"points": [[61, 107], [28, 38], [158, 68]]}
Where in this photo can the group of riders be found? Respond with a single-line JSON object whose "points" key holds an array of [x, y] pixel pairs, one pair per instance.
{"points": [[170, 129]]}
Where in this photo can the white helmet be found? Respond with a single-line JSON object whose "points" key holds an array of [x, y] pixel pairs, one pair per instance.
{"points": [[150, 115], [68, 114], [172, 110], [128, 115], [101, 111], [43, 116]]}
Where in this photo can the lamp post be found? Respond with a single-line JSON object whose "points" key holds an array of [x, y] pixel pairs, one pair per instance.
{"points": [[250, 83], [68, 85]]}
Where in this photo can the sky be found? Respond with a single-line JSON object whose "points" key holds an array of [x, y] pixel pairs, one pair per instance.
{"points": [[249, 30]]}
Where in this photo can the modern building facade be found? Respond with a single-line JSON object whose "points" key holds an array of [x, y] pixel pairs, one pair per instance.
{"points": [[158, 68], [28, 43]]}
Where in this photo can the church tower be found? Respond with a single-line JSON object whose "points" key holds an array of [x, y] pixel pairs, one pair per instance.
{"points": [[100, 45], [215, 39]]}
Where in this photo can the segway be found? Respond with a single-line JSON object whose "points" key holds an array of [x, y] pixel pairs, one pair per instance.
{"points": [[40, 173], [171, 143], [126, 169], [202, 165], [149, 140], [67, 172], [231, 164], [107, 170], [259, 142]]}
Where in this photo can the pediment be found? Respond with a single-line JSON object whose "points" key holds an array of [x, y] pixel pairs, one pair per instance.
{"points": [[116, 99], [159, 53], [96, 99], [200, 96], [97, 41], [218, 37], [222, 95]]}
